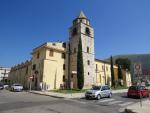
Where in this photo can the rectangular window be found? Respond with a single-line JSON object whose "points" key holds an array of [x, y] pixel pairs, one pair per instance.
{"points": [[88, 50], [88, 62], [64, 78], [51, 53], [34, 67], [96, 66], [75, 50], [64, 67], [63, 55], [38, 55]]}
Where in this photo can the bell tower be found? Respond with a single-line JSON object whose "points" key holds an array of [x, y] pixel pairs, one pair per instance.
{"points": [[81, 28]]}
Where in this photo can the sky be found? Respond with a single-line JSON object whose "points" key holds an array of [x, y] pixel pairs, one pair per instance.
{"points": [[120, 26]]}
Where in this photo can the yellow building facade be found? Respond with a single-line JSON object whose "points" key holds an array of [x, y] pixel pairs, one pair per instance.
{"points": [[103, 72], [49, 69]]}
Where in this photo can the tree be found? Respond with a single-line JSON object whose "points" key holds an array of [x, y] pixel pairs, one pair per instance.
{"points": [[112, 72], [120, 72], [123, 63], [80, 68]]}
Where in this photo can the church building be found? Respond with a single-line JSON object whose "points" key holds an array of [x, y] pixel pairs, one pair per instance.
{"points": [[54, 64]]}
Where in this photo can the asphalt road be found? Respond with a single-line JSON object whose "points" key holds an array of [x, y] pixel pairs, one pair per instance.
{"points": [[24, 102]]}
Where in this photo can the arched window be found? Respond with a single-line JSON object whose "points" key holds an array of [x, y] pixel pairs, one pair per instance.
{"points": [[74, 32], [88, 49], [88, 62], [87, 31]]}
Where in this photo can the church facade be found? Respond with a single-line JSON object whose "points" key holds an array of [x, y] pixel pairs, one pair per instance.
{"points": [[54, 64]]}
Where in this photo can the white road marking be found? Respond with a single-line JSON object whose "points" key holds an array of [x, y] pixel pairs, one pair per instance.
{"points": [[76, 101], [106, 100], [125, 104], [114, 102]]}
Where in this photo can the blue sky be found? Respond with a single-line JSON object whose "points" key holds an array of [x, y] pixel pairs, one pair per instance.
{"points": [[121, 26]]}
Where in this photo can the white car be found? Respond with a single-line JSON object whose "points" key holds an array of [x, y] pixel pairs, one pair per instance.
{"points": [[1, 86], [99, 92], [6, 86], [16, 87]]}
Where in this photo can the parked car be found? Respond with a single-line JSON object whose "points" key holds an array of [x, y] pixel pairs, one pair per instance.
{"points": [[6, 86], [16, 87], [136, 91], [98, 92], [1, 86], [148, 87]]}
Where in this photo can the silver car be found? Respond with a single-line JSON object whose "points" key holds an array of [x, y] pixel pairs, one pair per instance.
{"points": [[16, 87], [99, 92]]}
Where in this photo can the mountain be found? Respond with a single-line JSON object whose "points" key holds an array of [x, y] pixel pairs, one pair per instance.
{"points": [[143, 59]]}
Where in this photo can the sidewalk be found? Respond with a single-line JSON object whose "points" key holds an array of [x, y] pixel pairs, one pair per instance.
{"points": [[73, 95], [136, 108]]}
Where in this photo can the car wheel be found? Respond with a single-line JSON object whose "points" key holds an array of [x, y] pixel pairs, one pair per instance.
{"points": [[87, 98], [128, 96], [110, 95], [148, 95], [98, 97]]}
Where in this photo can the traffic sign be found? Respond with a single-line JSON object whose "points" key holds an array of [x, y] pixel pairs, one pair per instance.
{"points": [[137, 68], [30, 77]]}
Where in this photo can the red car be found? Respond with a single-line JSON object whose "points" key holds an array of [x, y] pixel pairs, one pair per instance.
{"points": [[135, 91]]}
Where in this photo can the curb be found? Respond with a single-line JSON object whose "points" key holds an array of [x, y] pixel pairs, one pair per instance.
{"points": [[46, 95], [57, 96], [129, 111], [53, 95]]}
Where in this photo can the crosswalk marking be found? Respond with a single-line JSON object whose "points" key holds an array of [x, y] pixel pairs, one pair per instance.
{"points": [[107, 100], [114, 102], [125, 104], [82, 102]]}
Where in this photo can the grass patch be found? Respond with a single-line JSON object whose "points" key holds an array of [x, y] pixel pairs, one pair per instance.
{"points": [[119, 87], [68, 91]]}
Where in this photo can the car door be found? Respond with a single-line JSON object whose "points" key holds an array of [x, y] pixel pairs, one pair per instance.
{"points": [[144, 91], [107, 91], [103, 91]]}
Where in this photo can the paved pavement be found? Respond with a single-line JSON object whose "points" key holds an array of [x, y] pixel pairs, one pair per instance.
{"points": [[74, 95]]}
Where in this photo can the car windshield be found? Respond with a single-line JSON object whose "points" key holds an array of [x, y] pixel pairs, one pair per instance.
{"points": [[96, 87], [136, 87], [17, 85]]}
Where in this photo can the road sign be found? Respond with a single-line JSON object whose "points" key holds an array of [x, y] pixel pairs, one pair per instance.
{"points": [[30, 77], [137, 69]]}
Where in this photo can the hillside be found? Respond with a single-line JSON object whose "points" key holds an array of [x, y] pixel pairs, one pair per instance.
{"points": [[144, 59]]}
